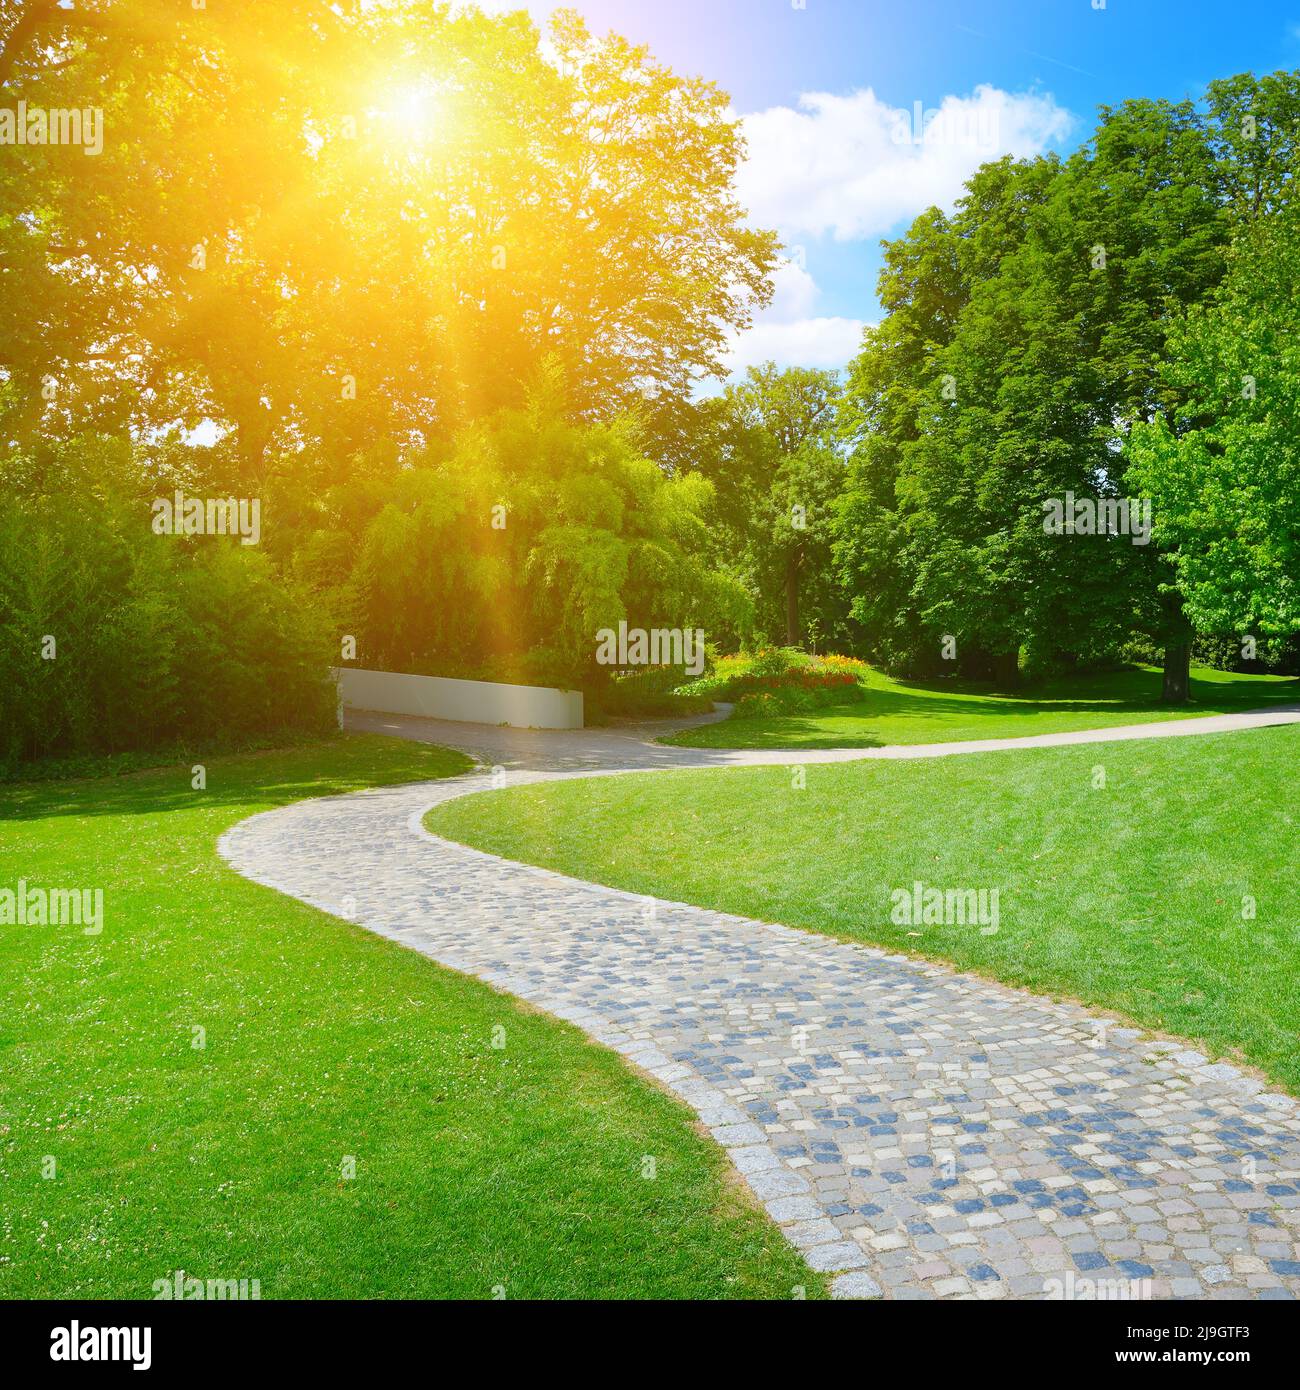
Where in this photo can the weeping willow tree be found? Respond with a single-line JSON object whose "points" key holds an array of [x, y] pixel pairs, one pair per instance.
{"points": [[508, 552]]}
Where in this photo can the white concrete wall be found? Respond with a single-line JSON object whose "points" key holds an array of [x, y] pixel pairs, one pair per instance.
{"points": [[473, 702]]}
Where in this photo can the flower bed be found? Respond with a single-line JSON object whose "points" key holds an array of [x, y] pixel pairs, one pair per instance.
{"points": [[780, 680]]}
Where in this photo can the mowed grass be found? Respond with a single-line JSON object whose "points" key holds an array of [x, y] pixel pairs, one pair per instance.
{"points": [[948, 711], [1135, 895], [477, 1168]]}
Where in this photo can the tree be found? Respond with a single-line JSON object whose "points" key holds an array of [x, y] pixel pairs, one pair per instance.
{"points": [[1223, 471], [322, 225], [1020, 335], [922, 292], [113, 637], [505, 552], [768, 448]]}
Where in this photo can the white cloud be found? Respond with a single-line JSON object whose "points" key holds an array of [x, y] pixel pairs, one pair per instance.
{"points": [[794, 292], [829, 342], [855, 166], [789, 332]]}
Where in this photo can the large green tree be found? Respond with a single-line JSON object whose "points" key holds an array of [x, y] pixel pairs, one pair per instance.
{"points": [[1022, 335], [767, 444], [318, 225], [1223, 470], [348, 240]]}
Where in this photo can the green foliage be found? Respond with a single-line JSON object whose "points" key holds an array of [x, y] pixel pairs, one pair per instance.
{"points": [[372, 311], [273, 238], [1272, 655], [649, 693], [1022, 335], [780, 680], [113, 638], [1224, 474], [511, 550], [767, 446]]}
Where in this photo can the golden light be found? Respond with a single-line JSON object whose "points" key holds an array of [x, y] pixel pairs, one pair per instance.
{"points": [[413, 112]]}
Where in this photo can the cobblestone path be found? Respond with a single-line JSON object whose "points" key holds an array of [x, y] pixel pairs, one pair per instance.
{"points": [[916, 1132]]}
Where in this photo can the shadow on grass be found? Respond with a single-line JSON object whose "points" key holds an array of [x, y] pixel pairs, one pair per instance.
{"points": [[1136, 691], [1132, 696], [249, 781]]}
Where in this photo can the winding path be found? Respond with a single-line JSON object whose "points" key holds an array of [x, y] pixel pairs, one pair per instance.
{"points": [[917, 1133]]}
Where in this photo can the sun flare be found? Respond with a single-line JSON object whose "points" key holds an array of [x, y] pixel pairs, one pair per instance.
{"points": [[414, 112]]}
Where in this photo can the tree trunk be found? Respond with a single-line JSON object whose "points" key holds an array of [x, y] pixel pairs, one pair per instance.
{"points": [[1006, 670], [1177, 689], [254, 424], [792, 599]]}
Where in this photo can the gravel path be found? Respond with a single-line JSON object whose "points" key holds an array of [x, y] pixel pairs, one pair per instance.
{"points": [[917, 1133]]}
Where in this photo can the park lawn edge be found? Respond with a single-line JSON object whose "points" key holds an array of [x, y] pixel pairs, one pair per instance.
{"points": [[1214, 692], [436, 822]]}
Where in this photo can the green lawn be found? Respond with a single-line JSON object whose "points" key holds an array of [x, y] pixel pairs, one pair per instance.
{"points": [[475, 1166], [945, 711], [1128, 896]]}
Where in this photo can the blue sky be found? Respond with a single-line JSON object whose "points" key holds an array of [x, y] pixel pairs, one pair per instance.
{"points": [[821, 84]]}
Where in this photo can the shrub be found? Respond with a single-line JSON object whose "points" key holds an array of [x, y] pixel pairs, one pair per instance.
{"points": [[780, 680], [158, 641], [645, 694]]}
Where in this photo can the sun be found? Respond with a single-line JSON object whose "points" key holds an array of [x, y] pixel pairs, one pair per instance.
{"points": [[413, 112]]}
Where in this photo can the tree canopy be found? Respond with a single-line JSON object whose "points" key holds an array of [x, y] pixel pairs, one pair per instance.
{"points": [[320, 225], [1024, 335], [1224, 471], [767, 445], [443, 293]]}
